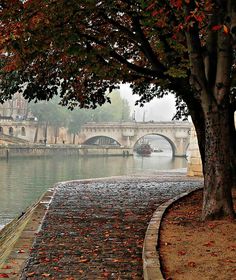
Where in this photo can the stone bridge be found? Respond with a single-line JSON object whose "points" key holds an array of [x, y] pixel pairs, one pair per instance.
{"points": [[126, 134]]}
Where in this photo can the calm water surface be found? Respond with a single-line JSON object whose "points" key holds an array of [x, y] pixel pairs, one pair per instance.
{"points": [[24, 180]]}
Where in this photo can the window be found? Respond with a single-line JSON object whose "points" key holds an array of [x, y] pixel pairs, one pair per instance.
{"points": [[11, 131], [23, 131]]}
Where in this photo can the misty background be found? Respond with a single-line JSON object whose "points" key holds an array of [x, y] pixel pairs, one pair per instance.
{"points": [[159, 109]]}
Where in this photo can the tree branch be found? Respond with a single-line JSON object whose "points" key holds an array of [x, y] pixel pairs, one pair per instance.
{"points": [[147, 49], [142, 70]]}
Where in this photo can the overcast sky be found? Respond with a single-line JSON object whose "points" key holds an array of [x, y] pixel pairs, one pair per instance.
{"points": [[157, 110]]}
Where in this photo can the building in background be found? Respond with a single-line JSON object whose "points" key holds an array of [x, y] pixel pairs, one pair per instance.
{"points": [[19, 126], [16, 108]]}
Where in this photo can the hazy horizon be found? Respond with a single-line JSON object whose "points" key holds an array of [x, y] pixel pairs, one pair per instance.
{"points": [[159, 109]]}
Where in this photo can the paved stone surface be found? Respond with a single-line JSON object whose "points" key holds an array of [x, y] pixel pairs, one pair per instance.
{"points": [[95, 229]]}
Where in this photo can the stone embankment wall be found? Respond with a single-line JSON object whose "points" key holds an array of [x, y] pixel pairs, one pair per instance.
{"points": [[21, 231], [105, 151], [10, 233], [195, 163], [37, 150], [11, 151]]}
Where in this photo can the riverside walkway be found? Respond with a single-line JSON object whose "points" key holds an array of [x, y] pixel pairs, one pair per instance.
{"points": [[94, 229]]}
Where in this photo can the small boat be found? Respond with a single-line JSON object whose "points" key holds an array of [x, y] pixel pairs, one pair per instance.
{"points": [[157, 150], [144, 149]]}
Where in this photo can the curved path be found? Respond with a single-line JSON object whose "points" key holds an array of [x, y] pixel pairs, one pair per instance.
{"points": [[94, 229]]}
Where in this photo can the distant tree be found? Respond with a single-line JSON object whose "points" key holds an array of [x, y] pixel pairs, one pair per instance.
{"points": [[87, 48], [117, 110], [49, 113], [55, 115]]}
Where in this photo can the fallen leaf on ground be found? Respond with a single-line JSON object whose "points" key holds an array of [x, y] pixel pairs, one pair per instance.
{"points": [[181, 253], [6, 267], [4, 275], [56, 268], [229, 261], [83, 261], [191, 264], [209, 244], [20, 251], [31, 274], [45, 274]]}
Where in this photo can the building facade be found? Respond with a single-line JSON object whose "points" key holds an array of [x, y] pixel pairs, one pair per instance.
{"points": [[16, 108]]}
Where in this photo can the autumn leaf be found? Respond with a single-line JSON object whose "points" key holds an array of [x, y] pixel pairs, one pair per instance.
{"points": [[83, 260], [209, 244], [181, 253], [211, 226], [229, 261], [6, 267], [225, 29], [176, 3], [216, 27], [20, 251], [45, 274], [150, 7], [115, 261], [154, 13], [191, 264], [4, 275], [56, 268], [31, 274]]}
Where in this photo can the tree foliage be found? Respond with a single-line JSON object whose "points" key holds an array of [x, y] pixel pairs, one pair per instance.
{"points": [[85, 49], [52, 113]]}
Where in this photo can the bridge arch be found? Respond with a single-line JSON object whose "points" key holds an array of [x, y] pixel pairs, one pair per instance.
{"points": [[101, 140]]}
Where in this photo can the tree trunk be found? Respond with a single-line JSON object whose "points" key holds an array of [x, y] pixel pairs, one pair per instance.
{"points": [[232, 144], [46, 133], [55, 134], [36, 134], [217, 199]]}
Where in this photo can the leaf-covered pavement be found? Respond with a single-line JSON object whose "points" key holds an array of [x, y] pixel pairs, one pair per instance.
{"points": [[95, 230]]}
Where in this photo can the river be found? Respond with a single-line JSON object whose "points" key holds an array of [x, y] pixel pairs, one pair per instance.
{"points": [[24, 180]]}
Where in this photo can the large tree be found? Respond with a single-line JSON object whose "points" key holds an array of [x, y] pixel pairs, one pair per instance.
{"points": [[85, 48]]}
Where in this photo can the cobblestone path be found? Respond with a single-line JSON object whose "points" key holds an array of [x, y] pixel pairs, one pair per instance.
{"points": [[95, 229]]}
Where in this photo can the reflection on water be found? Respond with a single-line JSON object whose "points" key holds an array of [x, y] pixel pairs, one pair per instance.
{"points": [[24, 180]]}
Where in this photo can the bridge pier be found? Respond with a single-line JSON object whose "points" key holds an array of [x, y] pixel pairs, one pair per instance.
{"points": [[128, 142], [180, 147]]}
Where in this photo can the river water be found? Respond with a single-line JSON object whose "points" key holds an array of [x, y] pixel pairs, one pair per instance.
{"points": [[24, 180]]}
